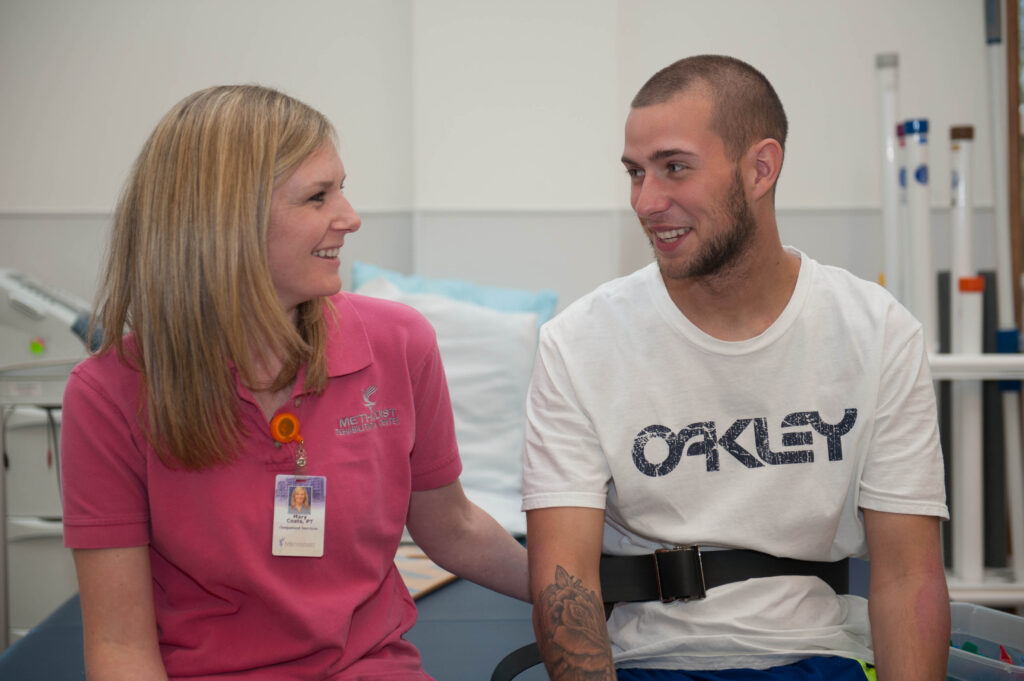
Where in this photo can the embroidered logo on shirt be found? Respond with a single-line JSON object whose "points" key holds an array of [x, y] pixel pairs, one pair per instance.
{"points": [[367, 402], [706, 442], [371, 420]]}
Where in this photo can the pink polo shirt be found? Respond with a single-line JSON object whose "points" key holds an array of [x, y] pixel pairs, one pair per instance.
{"points": [[226, 607]]}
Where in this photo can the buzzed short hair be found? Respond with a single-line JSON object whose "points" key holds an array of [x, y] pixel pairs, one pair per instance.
{"points": [[744, 106]]}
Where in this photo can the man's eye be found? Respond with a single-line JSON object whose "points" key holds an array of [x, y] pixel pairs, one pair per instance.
{"points": [[676, 167], [634, 172]]}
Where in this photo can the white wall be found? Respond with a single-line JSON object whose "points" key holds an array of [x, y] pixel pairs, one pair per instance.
{"points": [[516, 105], [820, 56], [84, 83], [481, 137]]}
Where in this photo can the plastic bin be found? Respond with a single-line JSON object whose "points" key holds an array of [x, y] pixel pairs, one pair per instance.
{"points": [[987, 629]]}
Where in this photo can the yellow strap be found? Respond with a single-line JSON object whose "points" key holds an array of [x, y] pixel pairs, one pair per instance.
{"points": [[869, 670]]}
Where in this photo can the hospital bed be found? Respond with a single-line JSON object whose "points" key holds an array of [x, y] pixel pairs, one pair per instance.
{"points": [[462, 631]]}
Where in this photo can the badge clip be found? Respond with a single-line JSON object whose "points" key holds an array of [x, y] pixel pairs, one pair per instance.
{"points": [[284, 428]]}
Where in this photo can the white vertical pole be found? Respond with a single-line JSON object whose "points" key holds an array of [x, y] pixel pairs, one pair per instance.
{"points": [[905, 263], [968, 491], [921, 287], [961, 163], [887, 67]]}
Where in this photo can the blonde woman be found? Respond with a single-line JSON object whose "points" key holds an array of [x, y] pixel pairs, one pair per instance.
{"points": [[299, 500], [222, 314]]}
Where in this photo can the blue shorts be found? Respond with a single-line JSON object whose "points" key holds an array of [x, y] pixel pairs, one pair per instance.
{"points": [[809, 669]]}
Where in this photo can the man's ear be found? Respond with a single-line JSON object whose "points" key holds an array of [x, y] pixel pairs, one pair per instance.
{"points": [[766, 157]]}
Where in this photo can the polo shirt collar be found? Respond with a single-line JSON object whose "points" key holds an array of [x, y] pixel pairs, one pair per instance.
{"points": [[348, 346]]}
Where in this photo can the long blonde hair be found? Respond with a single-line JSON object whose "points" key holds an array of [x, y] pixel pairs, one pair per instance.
{"points": [[187, 270]]}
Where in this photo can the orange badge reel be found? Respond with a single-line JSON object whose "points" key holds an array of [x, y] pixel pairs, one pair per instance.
{"points": [[285, 428]]}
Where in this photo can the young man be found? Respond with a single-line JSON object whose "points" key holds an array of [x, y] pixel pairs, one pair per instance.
{"points": [[733, 395]]}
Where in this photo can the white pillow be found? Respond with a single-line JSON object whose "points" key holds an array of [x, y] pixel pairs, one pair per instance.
{"points": [[488, 358]]}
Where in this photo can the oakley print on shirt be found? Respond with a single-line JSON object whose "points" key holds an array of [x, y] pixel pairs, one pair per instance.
{"points": [[702, 439]]}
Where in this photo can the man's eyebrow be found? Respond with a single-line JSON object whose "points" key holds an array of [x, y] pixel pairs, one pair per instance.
{"points": [[668, 153], [660, 155]]}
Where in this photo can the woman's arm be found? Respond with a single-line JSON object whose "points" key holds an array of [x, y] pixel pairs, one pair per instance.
{"points": [[462, 538], [118, 619]]}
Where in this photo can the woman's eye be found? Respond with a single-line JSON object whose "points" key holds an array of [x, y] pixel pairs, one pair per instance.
{"points": [[319, 196]]}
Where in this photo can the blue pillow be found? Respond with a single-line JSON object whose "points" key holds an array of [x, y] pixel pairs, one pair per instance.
{"points": [[542, 303]]}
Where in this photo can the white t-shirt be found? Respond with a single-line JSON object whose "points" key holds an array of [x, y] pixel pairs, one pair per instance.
{"points": [[770, 444]]}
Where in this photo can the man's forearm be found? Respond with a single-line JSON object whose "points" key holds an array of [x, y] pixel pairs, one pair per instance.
{"points": [[571, 632], [910, 630], [908, 601]]}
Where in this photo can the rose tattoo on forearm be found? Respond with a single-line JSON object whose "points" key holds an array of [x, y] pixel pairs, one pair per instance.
{"points": [[573, 637]]}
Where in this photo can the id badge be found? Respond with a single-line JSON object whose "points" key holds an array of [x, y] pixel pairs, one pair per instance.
{"points": [[299, 514]]}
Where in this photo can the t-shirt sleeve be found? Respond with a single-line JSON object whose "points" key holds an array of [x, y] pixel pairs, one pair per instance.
{"points": [[435, 455], [904, 472], [103, 470], [563, 463]]}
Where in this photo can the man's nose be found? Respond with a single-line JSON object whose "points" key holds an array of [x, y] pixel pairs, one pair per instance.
{"points": [[649, 197]]}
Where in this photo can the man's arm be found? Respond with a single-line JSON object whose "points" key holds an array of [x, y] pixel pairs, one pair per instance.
{"points": [[908, 602], [462, 538], [568, 613]]}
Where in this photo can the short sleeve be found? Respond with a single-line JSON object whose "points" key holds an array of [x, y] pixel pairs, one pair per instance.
{"points": [[563, 463], [103, 470], [904, 471], [435, 456]]}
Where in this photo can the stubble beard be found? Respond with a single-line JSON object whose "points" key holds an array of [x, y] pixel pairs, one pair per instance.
{"points": [[722, 250]]}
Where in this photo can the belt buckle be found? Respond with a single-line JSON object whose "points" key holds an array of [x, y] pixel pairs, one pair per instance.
{"points": [[693, 574]]}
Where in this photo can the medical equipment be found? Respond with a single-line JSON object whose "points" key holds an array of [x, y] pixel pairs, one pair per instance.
{"points": [[42, 337], [39, 322]]}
